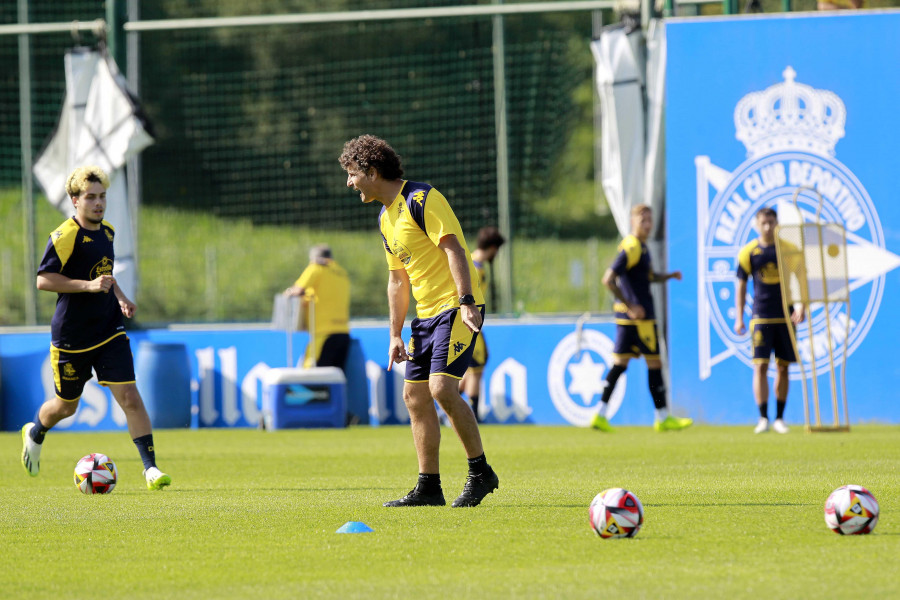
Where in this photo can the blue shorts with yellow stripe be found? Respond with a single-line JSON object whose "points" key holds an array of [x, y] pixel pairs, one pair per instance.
{"points": [[771, 335], [441, 345], [112, 360], [634, 338]]}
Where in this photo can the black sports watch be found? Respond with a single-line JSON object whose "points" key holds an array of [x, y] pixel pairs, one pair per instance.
{"points": [[467, 299]]}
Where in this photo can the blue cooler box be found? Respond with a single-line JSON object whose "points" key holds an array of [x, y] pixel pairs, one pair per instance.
{"points": [[295, 398]]}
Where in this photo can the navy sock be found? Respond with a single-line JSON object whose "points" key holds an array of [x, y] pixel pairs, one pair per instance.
{"points": [[611, 378], [779, 408], [764, 410], [478, 465], [657, 387], [429, 483], [38, 431], [148, 452]]}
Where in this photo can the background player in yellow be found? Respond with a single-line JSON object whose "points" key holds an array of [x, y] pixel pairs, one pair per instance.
{"points": [[426, 252], [325, 284], [489, 242], [88, 330], [768, 323], [629, 278]]}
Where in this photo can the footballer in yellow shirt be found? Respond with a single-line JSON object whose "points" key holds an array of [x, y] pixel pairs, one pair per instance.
{"points": [[426, 253]]}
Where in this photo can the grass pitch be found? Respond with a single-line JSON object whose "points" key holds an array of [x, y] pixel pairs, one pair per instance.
{"points": [[251, 514]]}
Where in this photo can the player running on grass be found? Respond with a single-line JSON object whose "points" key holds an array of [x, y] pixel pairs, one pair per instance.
{"points": [[629, 278], [88, 330], [768, 325], [426, 251]]}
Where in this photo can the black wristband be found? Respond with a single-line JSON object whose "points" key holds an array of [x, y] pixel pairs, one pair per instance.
{"points": [[467, 299]]}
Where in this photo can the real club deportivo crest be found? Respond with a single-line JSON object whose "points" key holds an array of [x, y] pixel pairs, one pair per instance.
{"points": [[790, 131]]}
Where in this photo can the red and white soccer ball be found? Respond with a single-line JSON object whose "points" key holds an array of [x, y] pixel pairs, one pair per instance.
{"points": [[616, 513], [95, 474], [851, 510]]}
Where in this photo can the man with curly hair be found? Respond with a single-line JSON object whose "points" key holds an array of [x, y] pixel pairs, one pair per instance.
{"points": [[426, 252], [87, 330]]}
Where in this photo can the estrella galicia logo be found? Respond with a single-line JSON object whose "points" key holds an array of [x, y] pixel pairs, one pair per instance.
{"points": [[104, 267], [790, 131], [576, 376], [401, 252]]}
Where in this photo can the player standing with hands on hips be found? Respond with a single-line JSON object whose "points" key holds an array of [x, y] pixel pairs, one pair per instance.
{"points": [[768, 324], [88, 330], [629, 278], [426, 251]]}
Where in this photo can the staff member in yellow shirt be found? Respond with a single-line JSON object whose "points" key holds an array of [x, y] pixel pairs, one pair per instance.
{"points": [[324, 284]]}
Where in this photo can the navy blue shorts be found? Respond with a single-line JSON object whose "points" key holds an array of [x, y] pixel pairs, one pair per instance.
{"points": [[112, 360], [771, 337], [440, 345], [637, 338]]}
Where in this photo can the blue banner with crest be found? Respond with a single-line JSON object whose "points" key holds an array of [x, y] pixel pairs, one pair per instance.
{"points": [[758, 107]]}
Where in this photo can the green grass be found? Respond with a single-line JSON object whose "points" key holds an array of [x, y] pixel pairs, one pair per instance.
{"points": [[250, 514]]}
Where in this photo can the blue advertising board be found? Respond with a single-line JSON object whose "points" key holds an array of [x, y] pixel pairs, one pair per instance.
{"points": [[755, 108], [541, 372]]}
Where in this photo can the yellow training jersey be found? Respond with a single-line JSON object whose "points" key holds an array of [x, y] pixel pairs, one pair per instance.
{"points": [[411, 229], [329, 287]]}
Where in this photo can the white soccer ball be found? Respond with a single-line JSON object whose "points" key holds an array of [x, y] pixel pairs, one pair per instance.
{"points": [[95, 474], [616, 513], [851, 510]]}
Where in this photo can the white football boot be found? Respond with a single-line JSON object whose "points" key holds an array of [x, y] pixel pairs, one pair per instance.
{"points": [[779, 427], [762, 426]]}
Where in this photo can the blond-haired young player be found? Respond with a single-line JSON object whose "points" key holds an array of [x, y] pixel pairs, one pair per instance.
{"points": [[88, 330]]}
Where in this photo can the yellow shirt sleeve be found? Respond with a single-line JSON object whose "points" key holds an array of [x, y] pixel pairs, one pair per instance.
{"points": [[309, 278], [439, 218]]}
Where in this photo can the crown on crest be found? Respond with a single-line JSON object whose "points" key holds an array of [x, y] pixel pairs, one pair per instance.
{"points": [[790, 116]]}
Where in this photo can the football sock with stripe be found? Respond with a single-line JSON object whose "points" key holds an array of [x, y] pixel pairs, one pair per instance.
{"points": [[145, 448], [38, 431]]}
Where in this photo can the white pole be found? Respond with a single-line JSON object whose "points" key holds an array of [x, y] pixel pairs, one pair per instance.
{"points": [[27, 177], [502, 137]]}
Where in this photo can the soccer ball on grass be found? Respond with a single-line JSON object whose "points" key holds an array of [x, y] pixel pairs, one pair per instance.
{"points": [[95, 474], [616, 513], [851, 510]]}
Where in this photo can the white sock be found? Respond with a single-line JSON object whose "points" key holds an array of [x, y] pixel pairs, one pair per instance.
{"points": [[602, 408], [661, 414]]}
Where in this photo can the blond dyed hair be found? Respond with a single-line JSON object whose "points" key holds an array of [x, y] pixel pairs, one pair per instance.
{"points": [[82, 178]]}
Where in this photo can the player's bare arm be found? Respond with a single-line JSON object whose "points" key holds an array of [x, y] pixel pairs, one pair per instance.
{"points": [[459, 268], [398, 301], [56, 282], [663, 277], [611, 281], [127, 306], [740, 298]]}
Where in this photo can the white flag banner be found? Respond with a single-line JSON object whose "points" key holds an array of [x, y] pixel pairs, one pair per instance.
{"points": [[100, 124], [620, 85]]}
